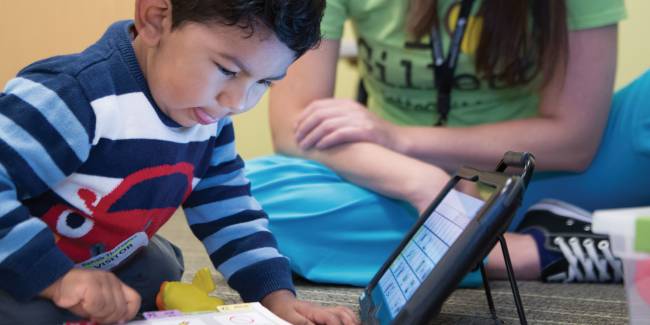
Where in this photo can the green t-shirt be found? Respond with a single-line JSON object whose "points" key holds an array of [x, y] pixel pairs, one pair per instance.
{"points": [[397, 72]]}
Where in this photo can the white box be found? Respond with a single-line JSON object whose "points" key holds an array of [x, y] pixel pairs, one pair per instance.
{"points": [[620, 226]]}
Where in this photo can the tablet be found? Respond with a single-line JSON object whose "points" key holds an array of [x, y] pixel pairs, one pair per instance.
{"points": [[449, 239]]}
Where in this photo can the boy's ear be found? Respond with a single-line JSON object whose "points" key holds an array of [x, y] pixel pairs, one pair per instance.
{"points": [[151, 19]]}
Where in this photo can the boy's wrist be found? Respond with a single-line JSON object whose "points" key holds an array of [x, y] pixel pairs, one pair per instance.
{"points": [[50, 291], [277, 298]]}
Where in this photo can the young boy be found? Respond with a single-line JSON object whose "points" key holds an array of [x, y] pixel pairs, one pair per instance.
{"points": [[98, 149]]}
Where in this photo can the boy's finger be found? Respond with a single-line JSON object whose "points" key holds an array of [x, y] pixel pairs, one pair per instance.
{"points": [[349, 316], [319, 315], [70, 295], [328, 317], [132, 301], [79, 311], [105, 301], [97, 304], [120, 303], [298, 319], [346, 315]]}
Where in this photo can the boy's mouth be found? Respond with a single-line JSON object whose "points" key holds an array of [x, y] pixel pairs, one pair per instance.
{"points": [[203, 117]]}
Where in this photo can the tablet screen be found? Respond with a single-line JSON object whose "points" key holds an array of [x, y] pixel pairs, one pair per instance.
{"points": [[421, 254]]}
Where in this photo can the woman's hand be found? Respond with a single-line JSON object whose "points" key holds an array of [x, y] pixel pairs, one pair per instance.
{"points": [[330, 122], [284, 304]]}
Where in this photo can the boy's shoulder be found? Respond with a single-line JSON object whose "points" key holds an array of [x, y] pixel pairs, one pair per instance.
{"points": [[99, 64], [69, 64], [74, 64]]}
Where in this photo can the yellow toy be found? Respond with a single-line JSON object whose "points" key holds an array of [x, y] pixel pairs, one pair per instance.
{"points": [[189, 297]]}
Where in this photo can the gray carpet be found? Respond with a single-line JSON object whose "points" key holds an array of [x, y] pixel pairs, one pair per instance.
{"points": [[543, 303]]}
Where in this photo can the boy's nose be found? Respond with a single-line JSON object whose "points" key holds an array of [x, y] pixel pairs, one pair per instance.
{"points": [[234, 101], [237, 109]]}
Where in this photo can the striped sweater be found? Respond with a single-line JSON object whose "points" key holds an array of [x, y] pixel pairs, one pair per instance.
{"points": [[90, 169]]}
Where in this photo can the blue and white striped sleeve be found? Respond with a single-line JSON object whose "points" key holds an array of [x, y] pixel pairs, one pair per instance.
{"points": [[233, 227], [45, 124]]}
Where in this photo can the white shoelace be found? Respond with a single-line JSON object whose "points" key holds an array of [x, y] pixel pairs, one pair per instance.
{"points": [[594, 268]]}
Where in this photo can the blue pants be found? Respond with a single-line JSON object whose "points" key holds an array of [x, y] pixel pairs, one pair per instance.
{"points": [[336, 232]]}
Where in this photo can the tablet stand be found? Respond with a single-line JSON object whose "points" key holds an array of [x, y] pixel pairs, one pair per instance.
{"points": [[525, 161], [513, 285]]}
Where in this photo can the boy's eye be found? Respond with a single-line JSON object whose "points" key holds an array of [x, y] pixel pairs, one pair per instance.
{"points": [[226, 72], [265, 83]]}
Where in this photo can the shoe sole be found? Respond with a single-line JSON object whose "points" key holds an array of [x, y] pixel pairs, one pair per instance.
{"points": [[563, 209]]}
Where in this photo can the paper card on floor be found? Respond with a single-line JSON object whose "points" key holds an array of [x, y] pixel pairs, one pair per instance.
{"points": [[250, 313]]}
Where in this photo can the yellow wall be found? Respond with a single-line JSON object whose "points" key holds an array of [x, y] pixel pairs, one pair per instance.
{"points": [[35, 29], [634, 42]]}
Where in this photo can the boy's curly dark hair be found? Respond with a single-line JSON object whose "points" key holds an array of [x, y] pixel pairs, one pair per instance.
{"points": [[296, 23]]}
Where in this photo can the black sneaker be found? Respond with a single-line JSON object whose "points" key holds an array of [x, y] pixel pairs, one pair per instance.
{"points": [[570, 252]]}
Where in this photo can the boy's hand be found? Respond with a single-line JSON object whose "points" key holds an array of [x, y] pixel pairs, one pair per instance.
{"points": [[94, 294], [284, 304]]}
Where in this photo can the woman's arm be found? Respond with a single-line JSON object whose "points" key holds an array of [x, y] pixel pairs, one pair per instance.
{"points": [[367, 164], [565, 136], [311, 77]]}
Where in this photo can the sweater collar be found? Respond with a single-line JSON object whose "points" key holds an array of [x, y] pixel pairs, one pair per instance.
{"points": [[120, 35]]}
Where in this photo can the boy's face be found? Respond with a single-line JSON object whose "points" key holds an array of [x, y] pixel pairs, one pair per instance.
{"points": [[199, 73]]}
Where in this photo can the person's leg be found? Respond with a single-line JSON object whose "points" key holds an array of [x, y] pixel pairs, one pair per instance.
{"points": [[159, 261], [555, 243], [35, 311], [567, 249], [332, 231], [617, 176], [319, 201], [523, 256]]}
